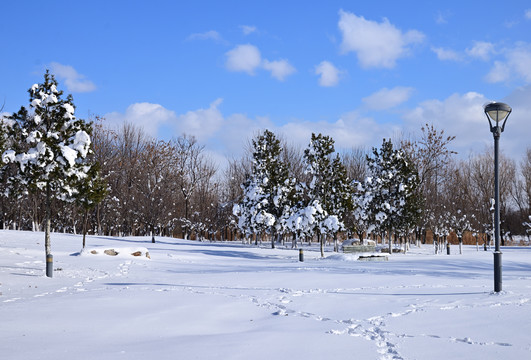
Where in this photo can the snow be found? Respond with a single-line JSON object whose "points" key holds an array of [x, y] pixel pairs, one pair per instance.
{"points": [[69, 108], [81, 143], [8, 156], [69, 154], [197, 300]]}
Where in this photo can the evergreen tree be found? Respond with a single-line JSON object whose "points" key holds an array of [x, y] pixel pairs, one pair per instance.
{"points": [[361, 218], [392, 183], [340, 199], [4, 130], [328, 188], [266, 189], [49, 146]]}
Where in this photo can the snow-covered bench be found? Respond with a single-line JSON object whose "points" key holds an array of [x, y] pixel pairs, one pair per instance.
{"points": [[355, 246]]}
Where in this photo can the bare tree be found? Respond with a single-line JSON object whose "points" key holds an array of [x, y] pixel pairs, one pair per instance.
{"points": [[482, 186], [194, 168], [355, 161], [431, 155], [155, 184]]}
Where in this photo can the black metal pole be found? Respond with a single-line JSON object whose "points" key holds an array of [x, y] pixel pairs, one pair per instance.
{"points": [[497, 252]]}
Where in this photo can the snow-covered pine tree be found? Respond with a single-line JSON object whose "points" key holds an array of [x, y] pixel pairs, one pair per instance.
{"points": [[249, 208], [270, 168], [305, 219], [327, 188], [340, 199], [266, 189], [392, 183], [291, 218], [48, 145], [361, 215], [4, 130]]}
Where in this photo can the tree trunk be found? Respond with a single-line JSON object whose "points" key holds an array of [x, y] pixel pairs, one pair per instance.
{"points": [[47, 243], [85, 216], [390, 242], [321, 243], [98, 220]]}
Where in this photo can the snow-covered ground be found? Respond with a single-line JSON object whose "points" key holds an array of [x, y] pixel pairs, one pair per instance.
{"points": [[196, 300]]}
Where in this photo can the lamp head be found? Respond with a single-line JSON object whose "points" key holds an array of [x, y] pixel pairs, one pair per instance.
{"points": [[497, 112]]}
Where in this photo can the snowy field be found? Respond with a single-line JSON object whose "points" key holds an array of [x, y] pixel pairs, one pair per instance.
{"points": [[196, 300]]}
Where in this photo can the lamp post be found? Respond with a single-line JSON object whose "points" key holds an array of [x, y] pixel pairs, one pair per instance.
{"points": [[498, 113]]}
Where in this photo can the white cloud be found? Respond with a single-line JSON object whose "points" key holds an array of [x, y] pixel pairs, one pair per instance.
{"points": [[519, 59], [208, 35], [463, 115], [279, 69], [517, 65], [350, 130], [201, 123], [155, 119], [375, 44], [329, 74], [459, 115], [237, 129], [388, 98], [227, 135], [515, 139], [446, 54], [222, 136], [481, 50], [244, 58], [247, 58], [246, 29], [147, 116], [74, 81], [528, 14], [500, 72]]}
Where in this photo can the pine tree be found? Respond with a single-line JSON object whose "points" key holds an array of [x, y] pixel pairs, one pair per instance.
{"points": [[362, 220], [341, 197], [393, 182], [266, 189], [4, 130], [49, 146], [328, 189]]}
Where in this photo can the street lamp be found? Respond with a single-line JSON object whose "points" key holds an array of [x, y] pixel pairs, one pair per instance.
{"points": [[498, 113]]}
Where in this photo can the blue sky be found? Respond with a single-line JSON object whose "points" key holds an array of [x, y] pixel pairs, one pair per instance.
{"points": [[222, 70]]}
